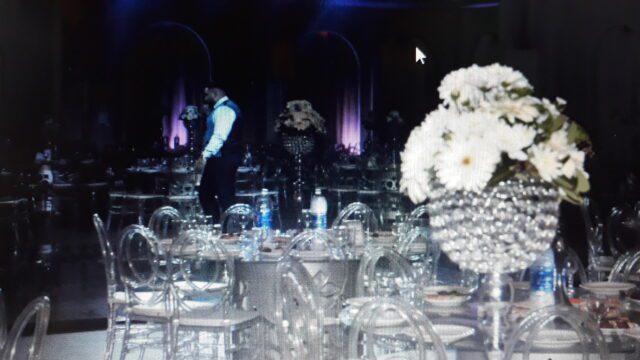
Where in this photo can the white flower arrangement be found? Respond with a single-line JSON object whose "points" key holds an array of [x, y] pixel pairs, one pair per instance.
{"points": [[490, 128], [189, 113], [299, 116]]}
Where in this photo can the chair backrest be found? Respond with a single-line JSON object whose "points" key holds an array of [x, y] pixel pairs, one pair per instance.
{"points": [[529, 329], [595, 231], [366, 326], [423, 253], [623, 229], [381, 271], [3, 321], [361, 212], [572, 271], [38, 308], [141, 266], [237, 218], [419, 216], [165, 222], [108, 256], [202, 271], [627, 268], [620, 266], [329, 276], [299, 315]]}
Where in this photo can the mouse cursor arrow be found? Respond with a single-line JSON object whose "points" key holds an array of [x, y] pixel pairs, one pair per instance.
{"points": [[420, 56]]}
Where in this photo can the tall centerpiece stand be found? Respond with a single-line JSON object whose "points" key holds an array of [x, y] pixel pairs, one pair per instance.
{"points": [[189, 116], [298, 146], [298, 126], [494, 162]]}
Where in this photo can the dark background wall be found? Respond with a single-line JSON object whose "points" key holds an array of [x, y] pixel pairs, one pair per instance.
{"points": [[90, 63]]}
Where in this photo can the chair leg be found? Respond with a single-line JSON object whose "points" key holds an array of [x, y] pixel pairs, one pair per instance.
{"points": [[125, 340], [111, 332]]}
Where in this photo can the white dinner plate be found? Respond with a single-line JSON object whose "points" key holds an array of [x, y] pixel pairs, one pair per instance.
{"points": [[437, 289], [389, 319], [554, 338], [358, 301], [633, 332], [447, 300], [612, 332], [607, 287], [448, 333]]}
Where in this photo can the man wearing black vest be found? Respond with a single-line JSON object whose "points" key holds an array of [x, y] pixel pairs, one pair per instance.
{"points": [[222, 152]]}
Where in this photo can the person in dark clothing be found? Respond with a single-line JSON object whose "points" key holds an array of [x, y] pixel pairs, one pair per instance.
{"points": [[222, 152]]}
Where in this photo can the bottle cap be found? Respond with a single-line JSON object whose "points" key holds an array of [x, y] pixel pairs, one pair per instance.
{"points": [[318, 192]]}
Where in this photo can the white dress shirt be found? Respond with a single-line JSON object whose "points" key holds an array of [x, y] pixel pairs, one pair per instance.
{"points": [[222, 117]]}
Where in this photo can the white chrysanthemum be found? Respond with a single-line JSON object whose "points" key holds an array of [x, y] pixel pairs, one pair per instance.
{"points": [[480, 125], [559, 141], [467, 164], [574, 163], [418, 158], [514, 139], [523, 109], [547, 161]]}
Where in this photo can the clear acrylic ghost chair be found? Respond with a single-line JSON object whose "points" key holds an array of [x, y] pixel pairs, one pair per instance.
{"points": [[361, 212], [165, 222], [383, 272], [411, 337], [572, 272], [620, 266], [523, 337], [595, 237], [3, 321], [623, 228], [421, 251], [419, 216], [141, 266], [116, 299], [205, 322], [38, 308], [299, 315], [329, 277], [627, 268], [237, 218]]}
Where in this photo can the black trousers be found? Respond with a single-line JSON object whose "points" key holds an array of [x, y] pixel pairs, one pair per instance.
{"points": [[218, 181]]}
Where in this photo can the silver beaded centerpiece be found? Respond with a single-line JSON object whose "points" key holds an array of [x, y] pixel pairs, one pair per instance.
{"points": [[502, 229]]}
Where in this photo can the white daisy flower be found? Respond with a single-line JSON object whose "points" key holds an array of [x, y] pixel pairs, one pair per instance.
{"points": [[547, 161], [574, 163], [467, 164], [514, 139]]}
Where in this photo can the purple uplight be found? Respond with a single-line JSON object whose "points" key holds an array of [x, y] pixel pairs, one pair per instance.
{"points": [[175, 126], [348, 129]]}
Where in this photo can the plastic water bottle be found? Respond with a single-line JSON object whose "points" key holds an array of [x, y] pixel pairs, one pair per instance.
{"points": [[543, 280], [265, 209], [318, 210]]}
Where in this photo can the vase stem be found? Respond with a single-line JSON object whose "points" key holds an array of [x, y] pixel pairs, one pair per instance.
{"points": [[496, 299]]}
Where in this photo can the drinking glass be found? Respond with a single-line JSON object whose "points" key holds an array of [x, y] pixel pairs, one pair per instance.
{"points": [[597, 305]]}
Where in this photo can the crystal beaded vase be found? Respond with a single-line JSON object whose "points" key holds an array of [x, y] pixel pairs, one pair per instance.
{"points": [[500, 230]]}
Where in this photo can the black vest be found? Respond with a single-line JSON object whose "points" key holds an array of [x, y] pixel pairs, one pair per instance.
{"points": [[233, 145]]}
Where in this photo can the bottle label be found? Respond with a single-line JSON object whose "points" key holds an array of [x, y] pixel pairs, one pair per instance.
{"points": [[319, 221], [542, 280], [265, 220]]}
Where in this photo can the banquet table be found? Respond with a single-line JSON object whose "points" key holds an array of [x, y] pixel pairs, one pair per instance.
{"points": [[254, 290]]}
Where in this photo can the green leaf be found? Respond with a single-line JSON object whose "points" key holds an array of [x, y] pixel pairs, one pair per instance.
{"points": [[501, 174], [572, 197], [577, 134], [554, 123], [582, 185]]}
